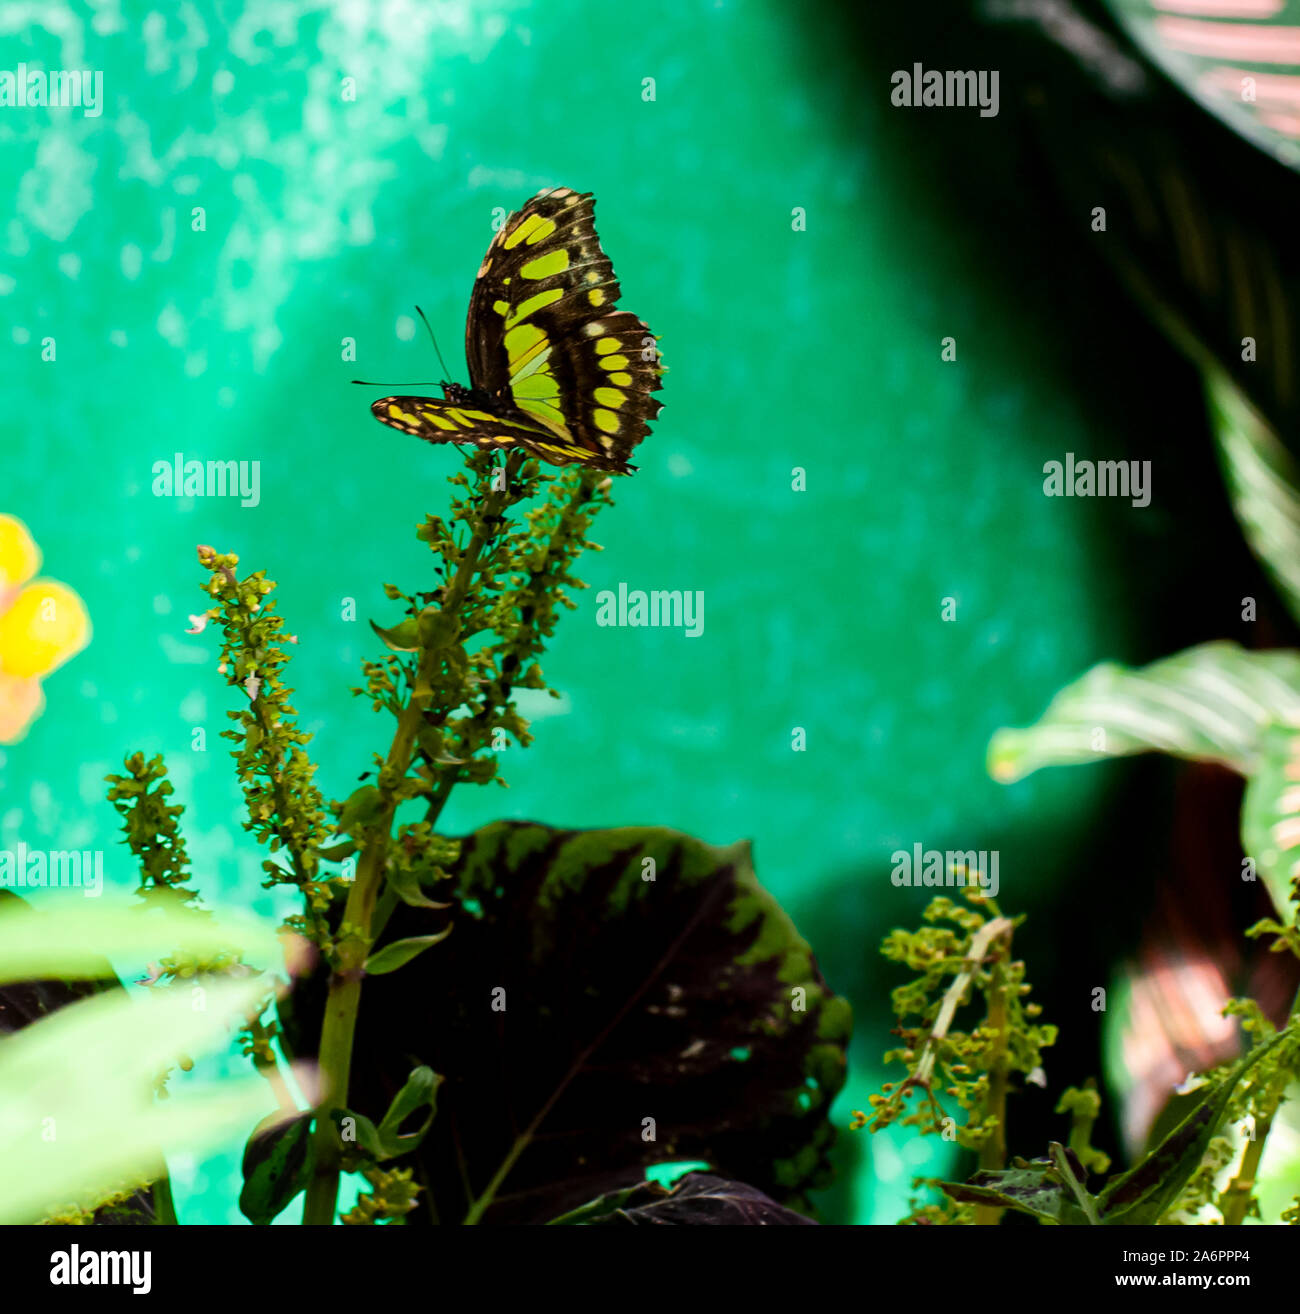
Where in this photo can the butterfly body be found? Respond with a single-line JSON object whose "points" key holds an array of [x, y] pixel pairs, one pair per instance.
{"points": [[457, 394], [554, 366]]}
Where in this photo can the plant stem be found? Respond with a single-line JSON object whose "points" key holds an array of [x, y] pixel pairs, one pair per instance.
{"points": [[344, 997], [993, 1152], [975, 955], [1237, 1194], [164, 1206], [480, 1206]]}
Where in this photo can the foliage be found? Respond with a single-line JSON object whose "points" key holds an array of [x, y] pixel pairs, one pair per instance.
{"points": [[650, 1000], [1208, 68], [698, 1199], [1221, 703], [1172, 1182], [80, 1128], [651, 981]]}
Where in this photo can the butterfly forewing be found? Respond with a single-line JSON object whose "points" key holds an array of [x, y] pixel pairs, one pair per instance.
{"points": [[554, 366], [543, 336]]}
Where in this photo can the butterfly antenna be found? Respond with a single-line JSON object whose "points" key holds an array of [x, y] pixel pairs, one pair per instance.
{"points": [[434, 340], [421, 383]]}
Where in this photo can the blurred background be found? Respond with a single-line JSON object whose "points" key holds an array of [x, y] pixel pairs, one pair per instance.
{"points": [[803, 247]]}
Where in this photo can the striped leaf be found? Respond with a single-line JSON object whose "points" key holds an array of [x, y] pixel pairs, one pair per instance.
{"points": [[68, 940], [1270, 814], [1238, 58], [80, 1056], [78, 1116], [1262, 480], [1211, 703]]}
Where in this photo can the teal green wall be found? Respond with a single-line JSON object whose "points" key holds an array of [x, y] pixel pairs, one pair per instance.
{"points": [[817, 349]]}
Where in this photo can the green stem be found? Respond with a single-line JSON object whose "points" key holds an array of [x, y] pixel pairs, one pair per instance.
{"points": [[164, 1206], [1237, 1194], [1082, 1121], [480, 1206], [344, 997], [384, 909], [993, 1152], [499, 695]]}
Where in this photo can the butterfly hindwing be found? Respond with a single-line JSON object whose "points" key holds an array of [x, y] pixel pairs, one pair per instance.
{"points": [[545, 342], [441, 422]]}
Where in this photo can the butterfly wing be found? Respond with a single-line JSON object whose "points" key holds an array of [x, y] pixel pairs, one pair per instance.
{"points": [[440, 422], [545, 342]]}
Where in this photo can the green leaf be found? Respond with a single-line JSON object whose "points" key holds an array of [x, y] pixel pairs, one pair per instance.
{"points": [[364, 1143], [597, 980], [596, 1210], [1262, 479], [72, 939], [405, 883], [1049, 1189], [81, 1057], [360, 1137], [277, 1166], [434, 629], [359, 811], [403, 637], [400, 952], [420, 1092], [1141, 1195], [1211, 703], [87, 1072], [1031, 1190], [1270, 815]]}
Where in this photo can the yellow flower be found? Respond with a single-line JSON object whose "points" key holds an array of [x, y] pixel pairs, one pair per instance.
{"points": [[42, 624], [21, 702], [20, 558]]}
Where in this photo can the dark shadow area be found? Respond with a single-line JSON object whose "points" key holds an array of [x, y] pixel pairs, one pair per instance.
{"points": [[1157, 865]]}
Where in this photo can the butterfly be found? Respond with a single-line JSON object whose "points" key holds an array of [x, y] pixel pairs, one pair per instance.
{"points": [[553, 366]]}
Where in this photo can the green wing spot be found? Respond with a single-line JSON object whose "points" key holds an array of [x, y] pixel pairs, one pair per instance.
{"points": [[554, 262], [533, 304]]}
